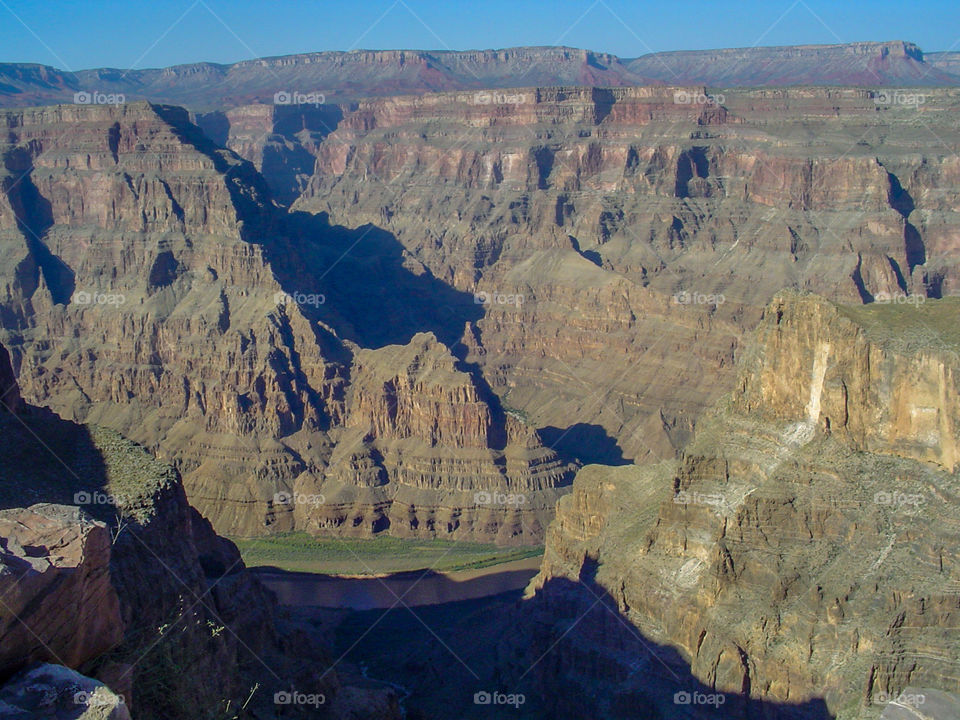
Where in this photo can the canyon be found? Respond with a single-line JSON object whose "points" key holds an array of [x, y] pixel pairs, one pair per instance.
{"points": [[688, 320], [838, 538], [113, 586]]}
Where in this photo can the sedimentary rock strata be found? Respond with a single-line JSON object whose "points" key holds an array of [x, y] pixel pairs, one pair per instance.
{"points": [[154, 287], [113, 586], [792, 556]]}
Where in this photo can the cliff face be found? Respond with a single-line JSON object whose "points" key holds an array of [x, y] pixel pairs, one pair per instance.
{"points": [[881, 379], [649, 223], [794, 556], [107, 570], [151, 285]]}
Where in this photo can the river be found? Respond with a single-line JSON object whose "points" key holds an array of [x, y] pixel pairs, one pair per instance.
{"points": [[419, 587]]}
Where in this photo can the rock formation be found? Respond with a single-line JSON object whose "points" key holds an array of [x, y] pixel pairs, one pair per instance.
{"points": [[109, 572], [54, 691], [133, 244], [58, 603], [644, 230], [794, 555]]}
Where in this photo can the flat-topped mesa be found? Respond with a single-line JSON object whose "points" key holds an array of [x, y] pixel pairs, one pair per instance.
{"points": [[870, 64], [844, 370], [893, 48]]}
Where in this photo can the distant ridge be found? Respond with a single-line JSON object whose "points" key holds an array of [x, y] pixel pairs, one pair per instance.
{"points": [[347, 76], [863, 63]]}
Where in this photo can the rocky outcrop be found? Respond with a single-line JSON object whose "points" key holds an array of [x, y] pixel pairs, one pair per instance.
{"points": [[53, 691], [114, 575], [780, 562], [58, 602], [882, 380], [423, 446]]}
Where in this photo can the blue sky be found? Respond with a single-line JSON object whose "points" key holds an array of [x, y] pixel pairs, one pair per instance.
{"points": [[81, 34]]}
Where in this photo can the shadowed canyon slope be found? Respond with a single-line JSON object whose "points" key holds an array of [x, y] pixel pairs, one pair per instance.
{"points": [[802, 551], [582, 261], [116, 585], [151, 285]]}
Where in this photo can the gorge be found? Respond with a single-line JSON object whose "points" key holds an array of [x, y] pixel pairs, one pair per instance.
{"points": [[695, 334]]}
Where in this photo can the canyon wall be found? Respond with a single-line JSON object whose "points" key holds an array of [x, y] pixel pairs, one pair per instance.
{"points": [[586, 261], [622, 240], [130, 601], [794, 555], [151, 284]]}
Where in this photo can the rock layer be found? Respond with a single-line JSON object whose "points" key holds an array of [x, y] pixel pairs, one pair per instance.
{"points": [[784, 559], [154, 287]]}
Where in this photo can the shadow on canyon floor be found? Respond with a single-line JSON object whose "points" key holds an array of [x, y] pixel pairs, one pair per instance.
{"points": [[584, 444], [566, 653], [416, 587]]}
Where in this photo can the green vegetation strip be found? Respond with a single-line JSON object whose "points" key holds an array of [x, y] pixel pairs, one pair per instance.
{"points": [[300, 552]]}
